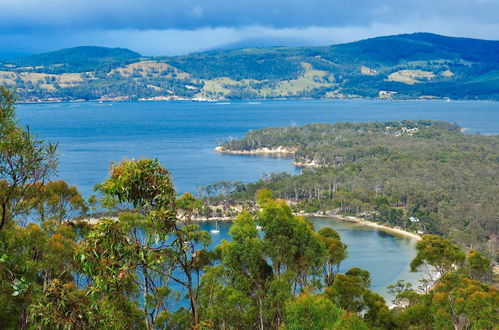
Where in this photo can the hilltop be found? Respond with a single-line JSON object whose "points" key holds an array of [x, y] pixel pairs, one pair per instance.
{"points": [[407, 66]]}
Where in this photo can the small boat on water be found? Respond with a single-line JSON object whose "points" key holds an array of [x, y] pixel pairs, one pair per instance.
{"points": [[216, 230], [259, 227]]}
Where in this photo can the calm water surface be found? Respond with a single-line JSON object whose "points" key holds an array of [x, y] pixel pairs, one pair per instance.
{"points": [[182, 136], [385, 256]]}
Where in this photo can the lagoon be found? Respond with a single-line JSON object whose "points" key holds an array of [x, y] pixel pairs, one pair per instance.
{"points": [[385, 256]]}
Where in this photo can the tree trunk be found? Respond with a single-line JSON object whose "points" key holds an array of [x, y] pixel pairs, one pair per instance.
{"points": [[194, 308], [4, 215], [260, 312]]}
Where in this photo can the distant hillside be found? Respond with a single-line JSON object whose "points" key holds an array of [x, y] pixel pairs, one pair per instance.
{"points": [[408, 66], [72, 60]]}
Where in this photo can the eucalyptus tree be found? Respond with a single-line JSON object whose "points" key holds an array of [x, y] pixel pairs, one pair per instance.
{"points": [[290, 243], [308, 311], [56, 200], [147, 251], [336, 253], [262, 268], [25, 161], [31, 259], [244, 275], [437, 256]]}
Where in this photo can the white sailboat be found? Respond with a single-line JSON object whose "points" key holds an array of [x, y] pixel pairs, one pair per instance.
{"points": [[216, 230]]}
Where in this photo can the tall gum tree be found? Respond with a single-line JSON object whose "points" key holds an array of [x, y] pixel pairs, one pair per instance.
{"points": [[25, 161]]}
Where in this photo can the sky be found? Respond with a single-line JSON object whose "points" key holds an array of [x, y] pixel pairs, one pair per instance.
{"points": [[172, 27]]}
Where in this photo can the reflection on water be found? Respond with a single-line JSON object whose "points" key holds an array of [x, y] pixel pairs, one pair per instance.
{"points": [[383, 233]]}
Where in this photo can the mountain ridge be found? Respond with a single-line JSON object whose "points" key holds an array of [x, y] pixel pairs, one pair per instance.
{"points": [[404, 66]]}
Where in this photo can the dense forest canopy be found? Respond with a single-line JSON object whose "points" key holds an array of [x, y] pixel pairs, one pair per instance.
{"points": [[391, 172], [407, 66]]}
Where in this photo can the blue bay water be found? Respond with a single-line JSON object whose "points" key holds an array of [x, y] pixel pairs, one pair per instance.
{"points": [[182, 136]]}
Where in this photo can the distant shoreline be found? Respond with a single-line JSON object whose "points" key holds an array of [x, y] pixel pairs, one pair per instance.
{"points": [[279, 151], [248, 100], [259, 151]]}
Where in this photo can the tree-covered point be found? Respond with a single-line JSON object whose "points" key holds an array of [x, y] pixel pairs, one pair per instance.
{"points": [[338, 134], [421, 175]]}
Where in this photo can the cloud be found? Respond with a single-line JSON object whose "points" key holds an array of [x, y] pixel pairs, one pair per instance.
{"points": [[197, 11], [196, 14], [159, 27]]}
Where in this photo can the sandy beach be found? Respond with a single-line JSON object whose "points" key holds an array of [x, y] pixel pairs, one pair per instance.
{"points": [[259, 151], [353, 219], [347, 218], [393, 230]]}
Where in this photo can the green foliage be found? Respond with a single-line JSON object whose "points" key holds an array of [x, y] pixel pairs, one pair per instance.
{"points": [[187, 202], [478, 266], [259, 274], [328, 232], [464, 303], [263, 195], [389, 172], [291, 242], [25, 161], [58, 201], [455, 301], [378, 315], [350, 321], [314, 312], [62, 306], [336, 253], [108, 257], [127, 269], [238, 65], [349, 290], [33, 257], [439, 253], [143, 183], [7, 111], [222, 304]]}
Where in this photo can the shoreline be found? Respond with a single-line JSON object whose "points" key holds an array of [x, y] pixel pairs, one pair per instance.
{"points": [[43, 101], [259, 151], [352, 219], [346, 218]]}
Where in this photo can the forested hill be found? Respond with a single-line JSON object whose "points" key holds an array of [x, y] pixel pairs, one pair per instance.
{"points": [[391, 172], [74, 60], [409, 66]]}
